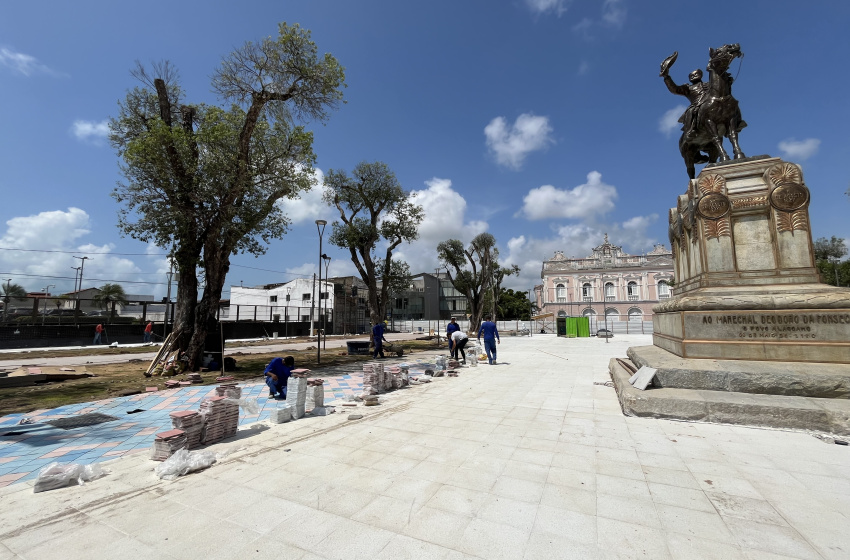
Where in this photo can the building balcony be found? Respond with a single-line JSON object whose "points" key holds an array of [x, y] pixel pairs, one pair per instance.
{"points": [[587, 299], [663, 296], [561, 300], [633, 297], [610, 298]]}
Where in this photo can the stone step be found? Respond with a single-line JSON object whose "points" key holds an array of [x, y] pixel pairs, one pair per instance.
{"points": [[728, 407], [801, 379]]}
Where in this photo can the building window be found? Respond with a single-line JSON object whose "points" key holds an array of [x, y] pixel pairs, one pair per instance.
{"points": [[586, 292], [612, 314], [562, 313], [561, 293], [635, 314], [609, 291], [324, 295], [633, 291], [272, 299], [663, 289], [305, 297], [305, 318], [589, 312]]}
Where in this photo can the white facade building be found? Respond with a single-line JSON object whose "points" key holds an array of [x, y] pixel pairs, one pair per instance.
{"points": [[294, 301]]}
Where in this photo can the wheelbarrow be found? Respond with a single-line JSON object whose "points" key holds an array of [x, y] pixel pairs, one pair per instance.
{"points": [[394, 347]]}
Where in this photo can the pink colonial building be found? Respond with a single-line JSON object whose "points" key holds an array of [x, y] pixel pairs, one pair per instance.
{"points": [[624, 287]]}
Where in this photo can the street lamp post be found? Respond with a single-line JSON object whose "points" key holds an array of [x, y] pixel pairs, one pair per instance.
{"points": [[46, 293], [286, 313], [320, 226], [327, 260]]}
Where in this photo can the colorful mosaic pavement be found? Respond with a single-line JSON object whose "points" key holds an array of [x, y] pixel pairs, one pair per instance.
{"points": [[26, 448]]}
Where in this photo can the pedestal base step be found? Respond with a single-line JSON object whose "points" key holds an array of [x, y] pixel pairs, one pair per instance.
{"points": [[801, 379], [775, 411]]}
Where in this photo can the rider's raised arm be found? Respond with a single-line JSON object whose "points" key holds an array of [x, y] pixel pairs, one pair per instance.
{"points": [[671, 85]]}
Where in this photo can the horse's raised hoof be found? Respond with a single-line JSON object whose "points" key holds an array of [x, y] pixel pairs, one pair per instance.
{"points": [[740, 155]]}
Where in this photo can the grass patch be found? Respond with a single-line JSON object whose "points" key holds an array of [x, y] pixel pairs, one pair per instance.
{"points": [[114, 380]]}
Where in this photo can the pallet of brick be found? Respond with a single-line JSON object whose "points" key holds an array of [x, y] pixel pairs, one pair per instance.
{"points": [[229, 390], [191, 422], [167, 443], [280, 415], [221, 419], [195, 378], [370, 381], [301, 372], [296, 395], [316, 390]]}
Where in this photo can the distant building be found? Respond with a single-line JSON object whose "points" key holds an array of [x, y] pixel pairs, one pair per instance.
{"points": [[297, 300], [431, 297], [350, 309], [610, 282]]}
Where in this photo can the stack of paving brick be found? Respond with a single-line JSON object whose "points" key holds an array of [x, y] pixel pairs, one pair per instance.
{"points": [[221, 418], [317, 391], [393, 374], [191, 422], [296, 395], [195, 378], [229, 390], [172, 383], [370, 379], [453, 363], [167, 443]]}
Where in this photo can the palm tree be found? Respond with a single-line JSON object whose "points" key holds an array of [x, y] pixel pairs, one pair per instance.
{"points": [[110, 294], [11, 291]]}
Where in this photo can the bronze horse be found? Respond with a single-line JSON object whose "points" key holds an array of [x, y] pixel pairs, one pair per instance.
{"points": [[717, 112]]}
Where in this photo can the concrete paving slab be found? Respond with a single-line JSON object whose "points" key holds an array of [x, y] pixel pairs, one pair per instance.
{"points": [[428, 486]]}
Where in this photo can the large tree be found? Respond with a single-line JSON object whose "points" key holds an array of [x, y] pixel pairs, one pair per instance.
{"points": [[204, 181], [374, 209], [471, 270]]}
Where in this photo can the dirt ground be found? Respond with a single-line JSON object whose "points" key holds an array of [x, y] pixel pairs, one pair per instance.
{"points": [[113, 380]]}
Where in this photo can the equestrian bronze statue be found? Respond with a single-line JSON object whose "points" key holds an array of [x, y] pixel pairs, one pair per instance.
{"points": [[713, 112]]}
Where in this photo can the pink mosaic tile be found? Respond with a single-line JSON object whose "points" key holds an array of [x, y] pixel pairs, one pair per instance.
{"points": [[7, 459], [56, 453], [109, 444], [114, 453], [146, 432]]}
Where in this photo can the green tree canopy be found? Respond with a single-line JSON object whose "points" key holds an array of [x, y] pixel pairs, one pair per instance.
{"points": [[203, 181], [828, 254], [110, 295], [471, 270], [11, 291], [374, 209]]}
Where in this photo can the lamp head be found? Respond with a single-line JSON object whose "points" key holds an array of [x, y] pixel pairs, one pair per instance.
{"points": [[321, 222]]}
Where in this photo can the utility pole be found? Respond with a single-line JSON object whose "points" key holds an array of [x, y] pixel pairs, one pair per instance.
{"points": [[82, 267], [46, 293], [167, 302]]}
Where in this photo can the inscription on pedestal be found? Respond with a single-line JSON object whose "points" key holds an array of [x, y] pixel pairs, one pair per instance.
{"points": [[713, 205], [789, 197], [821, 326]]}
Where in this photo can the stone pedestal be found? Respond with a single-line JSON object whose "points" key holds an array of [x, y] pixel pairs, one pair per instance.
{"points": [[746, 283], [751, 336]]}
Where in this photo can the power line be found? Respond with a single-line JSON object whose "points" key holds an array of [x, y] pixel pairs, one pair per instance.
{"points": [[84, 252], [6, 273]]}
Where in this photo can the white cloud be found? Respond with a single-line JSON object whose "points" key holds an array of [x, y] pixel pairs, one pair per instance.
{"points": [[558, 7], [59, 230], [309, 206], [614, 13], [511, 144], [583, 68], [445, 218], [338, 267], [90, 130], [23, 63], [584, 201], [669, 121], [799, 149]]}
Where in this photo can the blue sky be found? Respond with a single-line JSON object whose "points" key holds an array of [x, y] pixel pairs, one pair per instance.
{"points": [[543, 122]]}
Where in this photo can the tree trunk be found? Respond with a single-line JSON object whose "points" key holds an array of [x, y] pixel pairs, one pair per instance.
{"points": [[216, 266]]}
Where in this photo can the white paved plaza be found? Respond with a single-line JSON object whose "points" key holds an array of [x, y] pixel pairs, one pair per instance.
{"points": [[526, 459]]}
